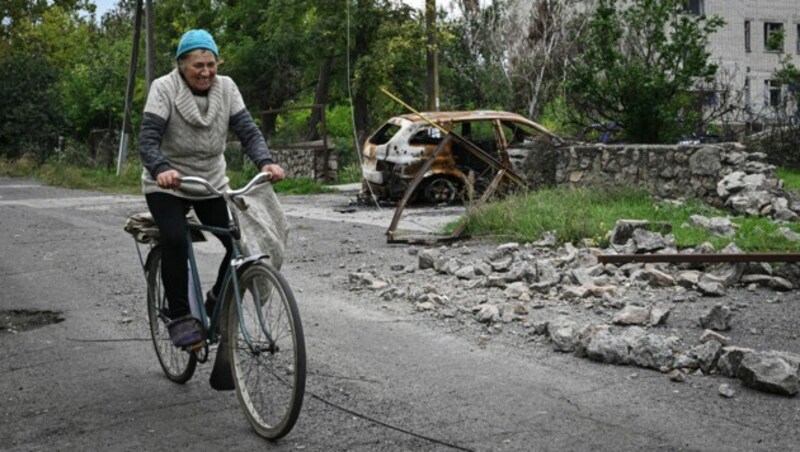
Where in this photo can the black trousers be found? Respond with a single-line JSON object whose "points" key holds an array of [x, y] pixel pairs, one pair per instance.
{"points": [[169, 213]]}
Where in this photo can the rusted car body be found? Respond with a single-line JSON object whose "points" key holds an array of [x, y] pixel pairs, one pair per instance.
{"points": [[394, 154]]}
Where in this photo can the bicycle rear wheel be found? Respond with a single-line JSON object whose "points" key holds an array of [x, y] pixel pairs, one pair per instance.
{"points": [[268, 355], [178, 365]]}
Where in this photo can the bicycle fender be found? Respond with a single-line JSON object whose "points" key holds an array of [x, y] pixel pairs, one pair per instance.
{"points": [[243, 263]]}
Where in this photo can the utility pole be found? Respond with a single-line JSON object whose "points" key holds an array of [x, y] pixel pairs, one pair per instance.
{"points": [[432, 56], [126, 121], [149, 46]]}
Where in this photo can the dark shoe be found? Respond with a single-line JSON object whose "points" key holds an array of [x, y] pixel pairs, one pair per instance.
{"points": [[185, 331]]}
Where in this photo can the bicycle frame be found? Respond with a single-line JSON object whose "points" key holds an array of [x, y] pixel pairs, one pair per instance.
{"points": [[210, 321]]}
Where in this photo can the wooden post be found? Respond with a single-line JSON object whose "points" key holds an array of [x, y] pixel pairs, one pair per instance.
{"points": [[149, 46], [432, 56]]}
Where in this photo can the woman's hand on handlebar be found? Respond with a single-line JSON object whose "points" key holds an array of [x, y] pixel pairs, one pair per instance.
{"points": [[276, 171], [169, 179]]}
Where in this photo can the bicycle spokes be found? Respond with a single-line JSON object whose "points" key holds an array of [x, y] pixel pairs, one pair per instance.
{"points": [[259, 338], [268, 352]]}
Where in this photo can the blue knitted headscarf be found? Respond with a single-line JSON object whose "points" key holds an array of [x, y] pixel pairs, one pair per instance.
{"points": [[196, 39]]}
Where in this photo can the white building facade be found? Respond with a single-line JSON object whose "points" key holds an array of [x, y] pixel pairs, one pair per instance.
{"points": [[746, 54]]}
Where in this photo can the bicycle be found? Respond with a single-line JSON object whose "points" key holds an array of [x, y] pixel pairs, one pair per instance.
{"points": [[255, 321]]}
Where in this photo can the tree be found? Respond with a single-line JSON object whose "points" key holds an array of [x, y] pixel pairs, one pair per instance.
{"points": [[475, 73], [265, 44], [639, 66], [545, 41], [29, 108], [37, 46], [511, 54]]}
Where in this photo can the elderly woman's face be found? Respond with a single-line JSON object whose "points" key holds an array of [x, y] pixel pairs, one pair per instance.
{"points": [[199, 69]]}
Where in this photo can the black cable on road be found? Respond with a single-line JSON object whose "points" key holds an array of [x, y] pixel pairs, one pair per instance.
{"points": [[389, 426], [326, 402]]}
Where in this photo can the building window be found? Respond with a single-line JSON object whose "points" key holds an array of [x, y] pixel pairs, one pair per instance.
{"points": [[747, 36], [693, 7], [798, 38], [773, 36], [773, 92]]}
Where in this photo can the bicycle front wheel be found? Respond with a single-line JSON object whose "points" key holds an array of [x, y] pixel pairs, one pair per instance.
{"points": [[178, 365], [268, 355]]}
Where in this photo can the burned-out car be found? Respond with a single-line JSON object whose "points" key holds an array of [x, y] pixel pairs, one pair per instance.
{"points": [[394, 155]]}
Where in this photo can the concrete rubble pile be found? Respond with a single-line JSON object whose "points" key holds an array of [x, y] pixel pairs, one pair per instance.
{"points": [[601, 312]]}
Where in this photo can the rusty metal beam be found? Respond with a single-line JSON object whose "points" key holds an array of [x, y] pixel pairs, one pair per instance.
{"points": [[698, 258], [502, 171], [484, 197], [412, 186], [489, 158]]}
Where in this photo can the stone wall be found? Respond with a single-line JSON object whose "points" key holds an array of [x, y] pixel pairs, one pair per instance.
{"points": [[668, 171], [307, 162]]}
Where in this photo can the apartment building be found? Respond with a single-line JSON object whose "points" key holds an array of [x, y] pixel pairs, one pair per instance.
{"points": [[746, 54]]}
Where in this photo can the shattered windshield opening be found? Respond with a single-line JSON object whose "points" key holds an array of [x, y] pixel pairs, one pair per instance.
{"points": [[384, 134], [518, 134], [426, 135]]}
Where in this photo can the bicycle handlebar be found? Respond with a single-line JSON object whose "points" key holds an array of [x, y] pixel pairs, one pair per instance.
{"points": [[258, 179]]}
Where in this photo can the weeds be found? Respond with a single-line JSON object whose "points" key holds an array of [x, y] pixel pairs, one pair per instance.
{"points": [[589, 215], [790, 177], [350, 173]]}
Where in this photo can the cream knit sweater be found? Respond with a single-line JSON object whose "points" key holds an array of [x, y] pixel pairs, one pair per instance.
{"points": [[195, 129]]}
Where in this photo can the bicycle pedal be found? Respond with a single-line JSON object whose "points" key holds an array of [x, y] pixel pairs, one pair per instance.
{"points": [[196, 347]]}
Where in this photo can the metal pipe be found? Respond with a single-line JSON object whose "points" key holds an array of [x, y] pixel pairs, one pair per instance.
{"points": [[698, 258]]}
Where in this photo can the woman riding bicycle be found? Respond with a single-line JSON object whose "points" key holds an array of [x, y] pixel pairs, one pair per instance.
{"points": [[186, 121]]}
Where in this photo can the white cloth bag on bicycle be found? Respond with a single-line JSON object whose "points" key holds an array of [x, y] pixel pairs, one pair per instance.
{"points": [[263, 224]]}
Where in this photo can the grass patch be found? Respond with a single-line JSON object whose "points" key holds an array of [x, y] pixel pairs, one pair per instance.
{"points": [[98, 179], [790, 177], [577, 214], [129, 182], [296, 186], [350, 173], [301, 186], [17, 168]]}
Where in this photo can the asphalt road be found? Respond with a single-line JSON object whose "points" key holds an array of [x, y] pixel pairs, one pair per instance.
{"points": [[380, 376]]}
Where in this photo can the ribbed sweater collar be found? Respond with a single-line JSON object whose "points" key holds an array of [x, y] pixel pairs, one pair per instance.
{"points": [[186, 104]]}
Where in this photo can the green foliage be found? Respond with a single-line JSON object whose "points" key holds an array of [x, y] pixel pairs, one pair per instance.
{"points": [[775, 41], [29, 109], [593, 213], [92, 88], [264, 45], [790, 178], [638, 66], [390, 49], [475, 74], [38, 50], [557, 118], [340, 129], [350, 173], [789, 74]]}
